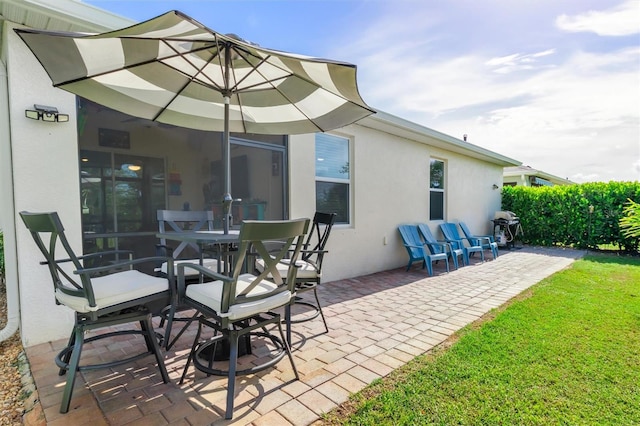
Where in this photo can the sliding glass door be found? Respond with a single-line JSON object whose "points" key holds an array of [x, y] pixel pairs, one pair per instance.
{"points": [[130, 168], [119, 197]]}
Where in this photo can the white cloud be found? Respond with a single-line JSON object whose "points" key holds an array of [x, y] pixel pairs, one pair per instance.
{"points": [[620, 20], [545, 101], [517, 62], [563, 118]]}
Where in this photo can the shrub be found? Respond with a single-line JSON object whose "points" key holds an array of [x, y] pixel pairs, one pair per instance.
{"points": [[630, 223], [583, 216]]}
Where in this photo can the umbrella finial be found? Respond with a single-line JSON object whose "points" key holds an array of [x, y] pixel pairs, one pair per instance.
{"points": [[238, 38]]}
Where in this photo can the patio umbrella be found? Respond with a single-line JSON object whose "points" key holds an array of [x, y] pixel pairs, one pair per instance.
{"points": [[174, 70]]}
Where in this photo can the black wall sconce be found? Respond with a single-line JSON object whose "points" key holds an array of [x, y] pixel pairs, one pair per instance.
{"points": [[46, 113], [495, 186]]}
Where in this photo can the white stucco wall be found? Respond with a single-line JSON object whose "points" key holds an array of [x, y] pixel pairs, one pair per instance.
{"points": [[45, 178], [390, 178]]}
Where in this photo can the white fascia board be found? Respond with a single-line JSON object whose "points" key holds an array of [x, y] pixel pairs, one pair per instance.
{"points": [[553, 178], [557, 180], [77, 13], [394, 125]]}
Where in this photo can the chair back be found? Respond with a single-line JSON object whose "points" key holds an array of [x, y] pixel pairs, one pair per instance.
{"points": [[412, 241], [181, 221], [465, 229], [255, 238], [320, 230], [47, 226], [468, 234], [471, 237], [430, 240], [450, 232]]}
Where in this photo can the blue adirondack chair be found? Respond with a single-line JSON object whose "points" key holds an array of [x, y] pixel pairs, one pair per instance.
{"points": [[417, 249], [486, 241], [436, 247], [451, 235]]}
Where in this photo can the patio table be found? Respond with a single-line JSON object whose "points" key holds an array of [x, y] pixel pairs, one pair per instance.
{"points": [[205, 240]]}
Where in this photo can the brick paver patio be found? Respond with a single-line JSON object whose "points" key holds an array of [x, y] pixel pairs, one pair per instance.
{"points": [[377, 323]]}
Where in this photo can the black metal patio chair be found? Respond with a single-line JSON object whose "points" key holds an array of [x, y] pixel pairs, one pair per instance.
{"points": [[103, 291], [244, 304], [183, 221], [309, 273]]}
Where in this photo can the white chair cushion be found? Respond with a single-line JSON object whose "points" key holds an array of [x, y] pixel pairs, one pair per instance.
{"points": [[116, 288], [305, 271], [210, 294], [208, 263]]}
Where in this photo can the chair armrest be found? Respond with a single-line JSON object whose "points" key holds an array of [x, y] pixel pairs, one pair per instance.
{"points": [[91, 256], [480, 238], [124, 264], [442, 244], [413, 246], [490, 237], [448, 242], [455, 243], [180, 274], [471, 240], [451, 246], [202, 270]]}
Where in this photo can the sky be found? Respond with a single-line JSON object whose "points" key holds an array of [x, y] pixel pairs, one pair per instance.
{"points": [[554, 84]]}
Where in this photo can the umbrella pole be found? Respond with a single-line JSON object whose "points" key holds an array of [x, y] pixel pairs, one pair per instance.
{"points": [[227, 200], [226, 145]]}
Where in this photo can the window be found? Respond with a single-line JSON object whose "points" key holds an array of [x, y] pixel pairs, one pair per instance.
{"points": [[333, 176], [436, 190]]}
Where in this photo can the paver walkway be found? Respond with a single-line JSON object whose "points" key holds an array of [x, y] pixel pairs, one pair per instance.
{"points": [[377, 323]]}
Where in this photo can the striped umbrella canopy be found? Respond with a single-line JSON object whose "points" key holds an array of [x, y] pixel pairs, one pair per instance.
{"points": [[174, 70]]}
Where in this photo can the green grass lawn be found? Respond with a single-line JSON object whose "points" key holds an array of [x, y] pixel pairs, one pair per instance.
{"points": [[566, 352]]}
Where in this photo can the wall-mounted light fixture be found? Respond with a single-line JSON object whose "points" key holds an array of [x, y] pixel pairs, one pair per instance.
{"points": [[495, 186], [46, 113]]}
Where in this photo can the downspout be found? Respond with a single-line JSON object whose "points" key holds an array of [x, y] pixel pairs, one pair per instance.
{"points": [[7, 216]]}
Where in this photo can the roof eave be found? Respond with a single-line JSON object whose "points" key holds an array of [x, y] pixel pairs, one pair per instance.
{"points": [[61, 15], [394, 125], [539, 173]]}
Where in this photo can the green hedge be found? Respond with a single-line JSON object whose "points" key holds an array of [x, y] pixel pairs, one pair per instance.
{"points": [[583, 216]]}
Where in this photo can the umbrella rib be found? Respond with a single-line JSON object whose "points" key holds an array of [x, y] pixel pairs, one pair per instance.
{"points": [[190, 79], [274, 87]]}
